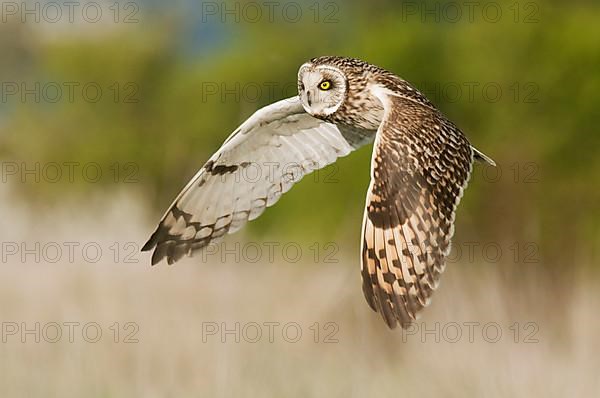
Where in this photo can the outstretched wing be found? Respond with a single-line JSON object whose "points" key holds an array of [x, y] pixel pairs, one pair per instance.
{"points": [[420, 166], [261, 160]]}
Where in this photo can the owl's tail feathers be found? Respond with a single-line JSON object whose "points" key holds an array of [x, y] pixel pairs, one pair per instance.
{"points": [[480, 156]]}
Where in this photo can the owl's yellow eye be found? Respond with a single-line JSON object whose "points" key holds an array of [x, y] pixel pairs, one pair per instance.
{"points": [[325, 85]]}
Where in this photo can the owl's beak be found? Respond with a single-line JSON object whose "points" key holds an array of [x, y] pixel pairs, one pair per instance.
{"points": [[308, 99]]}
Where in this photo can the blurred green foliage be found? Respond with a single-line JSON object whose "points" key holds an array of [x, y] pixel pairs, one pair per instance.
{"points": [[541, 128]]}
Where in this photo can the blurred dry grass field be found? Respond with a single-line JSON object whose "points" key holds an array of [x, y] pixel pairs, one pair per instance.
{"points": [[173, 309]]}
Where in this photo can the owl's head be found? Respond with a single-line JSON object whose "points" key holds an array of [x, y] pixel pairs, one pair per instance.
{"points": [[336, 89], [322, 88]]}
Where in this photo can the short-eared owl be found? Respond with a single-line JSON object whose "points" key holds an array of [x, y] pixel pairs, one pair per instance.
{"points": [[420, 166]]}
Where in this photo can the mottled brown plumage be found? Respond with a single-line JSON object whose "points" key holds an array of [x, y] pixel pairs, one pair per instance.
{"points": [[421, 164]]}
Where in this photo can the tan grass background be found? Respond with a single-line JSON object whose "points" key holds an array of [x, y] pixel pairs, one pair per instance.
{"points": [[170, 305]]}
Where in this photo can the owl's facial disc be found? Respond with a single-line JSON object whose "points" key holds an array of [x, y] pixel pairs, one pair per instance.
{"points": [[322, 89]]}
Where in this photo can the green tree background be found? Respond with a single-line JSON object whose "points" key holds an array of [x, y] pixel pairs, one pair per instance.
{"points": [[541, 127]]}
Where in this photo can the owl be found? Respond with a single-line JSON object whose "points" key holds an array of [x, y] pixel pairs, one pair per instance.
{"points": [[420, 166]]}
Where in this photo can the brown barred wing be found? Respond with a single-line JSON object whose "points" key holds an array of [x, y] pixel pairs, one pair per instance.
{"points": [[420, 166]]}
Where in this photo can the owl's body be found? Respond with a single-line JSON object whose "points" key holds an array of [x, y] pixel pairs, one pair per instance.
{"points": [[420, 166]]}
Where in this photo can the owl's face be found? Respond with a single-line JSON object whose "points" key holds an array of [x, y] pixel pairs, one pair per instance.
{"points": [[322, 89]]}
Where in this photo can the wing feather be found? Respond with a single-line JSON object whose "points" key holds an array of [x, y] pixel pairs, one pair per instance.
{"points": [[420, 166], [282, 143]]}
